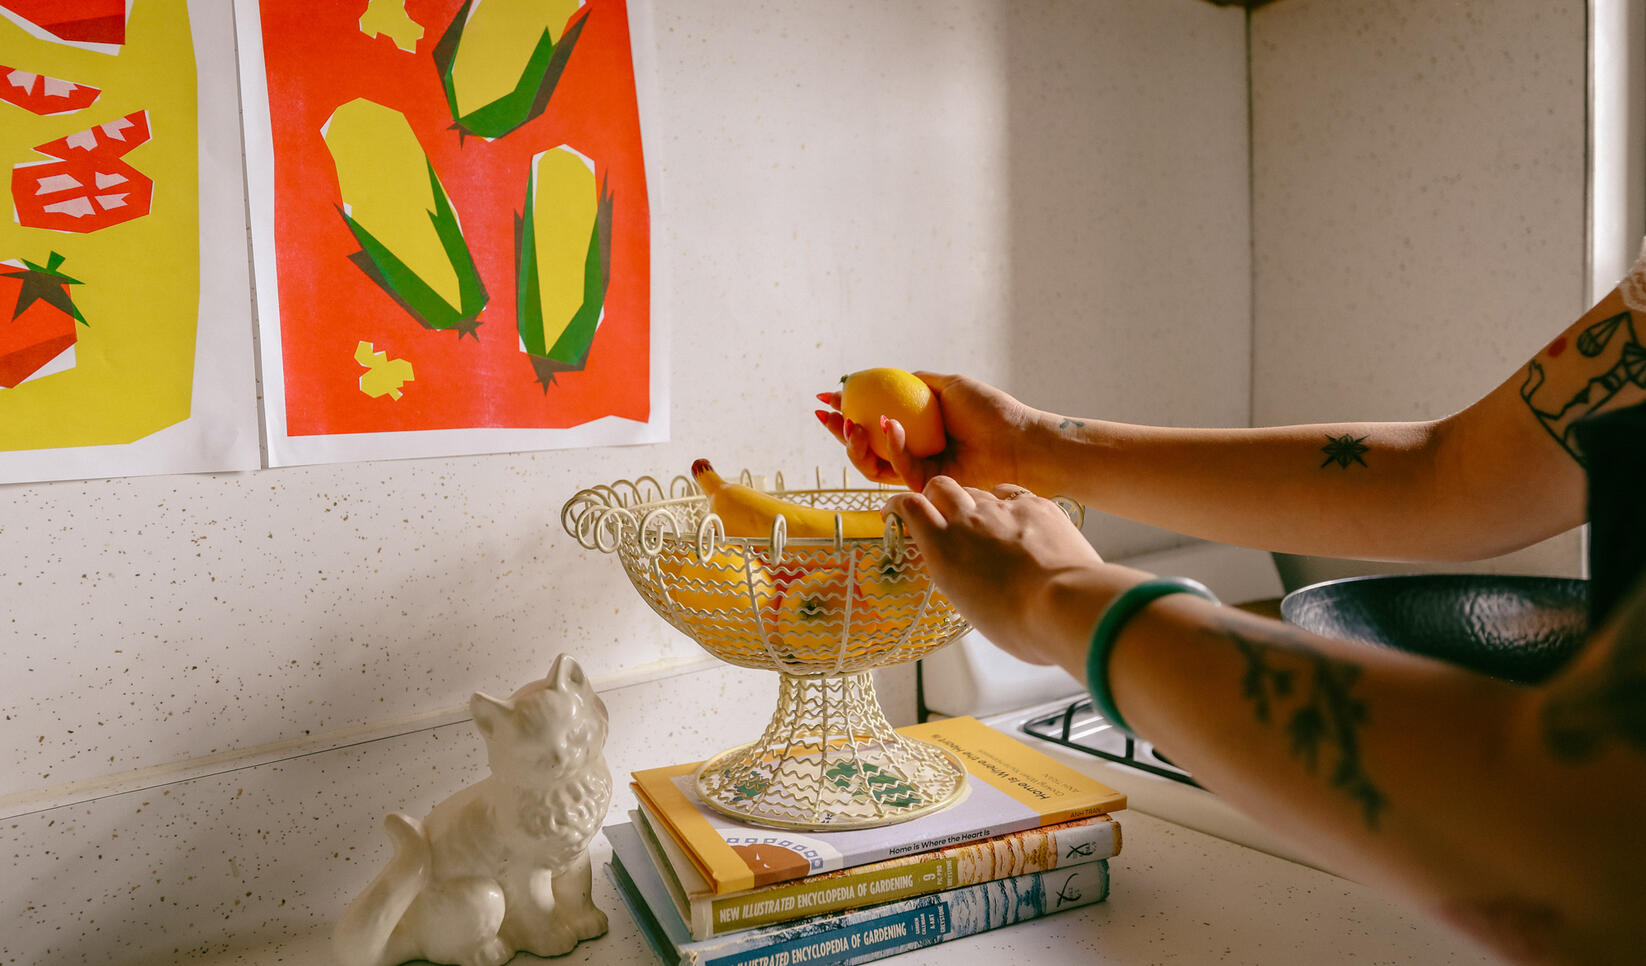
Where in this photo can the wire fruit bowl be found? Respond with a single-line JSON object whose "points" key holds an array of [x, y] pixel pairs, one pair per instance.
{"points": [[822, 612]]}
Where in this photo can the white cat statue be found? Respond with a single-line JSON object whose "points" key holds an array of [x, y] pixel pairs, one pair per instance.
{"points": [[503, 865]]}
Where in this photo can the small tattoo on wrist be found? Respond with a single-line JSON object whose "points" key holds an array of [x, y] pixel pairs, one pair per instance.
{"points": [[1069, 423]]}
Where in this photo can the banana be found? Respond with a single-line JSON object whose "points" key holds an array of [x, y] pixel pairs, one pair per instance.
{"points": [[747, 512]]}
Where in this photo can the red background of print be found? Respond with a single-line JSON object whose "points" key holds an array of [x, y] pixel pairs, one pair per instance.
{"points": [[317, 59]]}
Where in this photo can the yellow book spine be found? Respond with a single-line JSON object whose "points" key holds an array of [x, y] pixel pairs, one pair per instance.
{"points": [[713, 858]]}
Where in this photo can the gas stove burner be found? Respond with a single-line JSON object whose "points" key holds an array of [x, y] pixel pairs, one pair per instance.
{"points": [[1078, 726]]}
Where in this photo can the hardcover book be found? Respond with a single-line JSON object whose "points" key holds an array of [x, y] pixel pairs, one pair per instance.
{"points": [[1016, 853], [1011, 787], [856, 936]]}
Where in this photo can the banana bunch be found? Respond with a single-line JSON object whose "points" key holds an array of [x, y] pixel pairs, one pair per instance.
{"points": [[748, 512]]}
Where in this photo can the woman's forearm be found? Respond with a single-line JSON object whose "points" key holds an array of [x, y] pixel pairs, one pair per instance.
{"points": [[1368, 490], [1499, 475], [1335, 490]]}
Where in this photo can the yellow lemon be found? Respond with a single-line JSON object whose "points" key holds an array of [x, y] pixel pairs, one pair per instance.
{"points": [[811, 616], [884, 585], [886, 596], [726, 581], [867, 395]]}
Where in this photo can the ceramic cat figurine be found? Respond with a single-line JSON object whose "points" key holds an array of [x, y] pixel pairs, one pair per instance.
{"points": [[503, 865]]}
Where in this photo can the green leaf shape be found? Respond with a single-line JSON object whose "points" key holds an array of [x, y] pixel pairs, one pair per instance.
{"points": [[46, 284]]}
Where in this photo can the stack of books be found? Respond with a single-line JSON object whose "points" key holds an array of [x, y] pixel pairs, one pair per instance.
{"points": [[1030, 838]]}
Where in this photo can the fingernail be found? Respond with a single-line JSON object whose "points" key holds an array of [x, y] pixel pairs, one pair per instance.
{"points": [[885, 424], [847, 426], [823, 397], [822, 416]]}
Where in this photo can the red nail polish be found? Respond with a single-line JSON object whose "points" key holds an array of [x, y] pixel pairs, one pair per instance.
{"points": [[823, 397], [822, 416]]}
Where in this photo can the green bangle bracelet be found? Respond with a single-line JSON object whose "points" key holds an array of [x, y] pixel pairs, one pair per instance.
{"points": [[1115, 616]]}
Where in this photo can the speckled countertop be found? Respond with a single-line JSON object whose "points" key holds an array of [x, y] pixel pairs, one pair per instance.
{"points": [[251, 865], [1179, 896]]}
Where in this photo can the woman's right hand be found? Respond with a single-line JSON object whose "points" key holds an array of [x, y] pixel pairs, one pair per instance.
{"points": [[1014, 564], [986, 430]]}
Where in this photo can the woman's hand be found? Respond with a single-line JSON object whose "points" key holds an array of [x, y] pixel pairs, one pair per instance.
{"points": [[986, 431], [1001, 557]]}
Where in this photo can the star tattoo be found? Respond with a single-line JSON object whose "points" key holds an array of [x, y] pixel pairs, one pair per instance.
{"points": [[1344, 450]]}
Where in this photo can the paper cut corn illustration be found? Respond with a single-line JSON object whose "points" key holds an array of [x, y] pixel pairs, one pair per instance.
{"points": [[564, 243], [500, 60], [411, 243]]}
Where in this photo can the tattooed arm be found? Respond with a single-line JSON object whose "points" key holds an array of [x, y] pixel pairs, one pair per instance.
{"points": [[1500, 475], [1511, 812]]}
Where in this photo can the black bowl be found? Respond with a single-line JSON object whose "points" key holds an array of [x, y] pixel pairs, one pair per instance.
{"points": [[1520, 629]]}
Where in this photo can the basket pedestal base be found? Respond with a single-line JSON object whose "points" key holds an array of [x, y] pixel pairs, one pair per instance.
{"points": [[829, 759]]}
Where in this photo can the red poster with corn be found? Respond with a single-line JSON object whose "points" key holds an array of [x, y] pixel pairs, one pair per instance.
{"points": [[125, 315], [451, 225]]}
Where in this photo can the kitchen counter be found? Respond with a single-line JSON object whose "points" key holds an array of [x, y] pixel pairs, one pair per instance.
{"points": [[250, 865], [1178, 896]]}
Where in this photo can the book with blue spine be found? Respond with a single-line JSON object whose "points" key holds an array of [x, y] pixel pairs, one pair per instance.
{"points": [[1015, 853], [844, 938]]}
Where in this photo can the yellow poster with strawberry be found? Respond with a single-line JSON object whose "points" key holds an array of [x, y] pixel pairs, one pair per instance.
{"points": [[125, 330]]}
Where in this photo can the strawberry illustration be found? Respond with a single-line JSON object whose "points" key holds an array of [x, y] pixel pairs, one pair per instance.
{"points": [[40, 327]]}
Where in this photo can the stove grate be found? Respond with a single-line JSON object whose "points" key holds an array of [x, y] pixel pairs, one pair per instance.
{"points": [[1074, 725]]}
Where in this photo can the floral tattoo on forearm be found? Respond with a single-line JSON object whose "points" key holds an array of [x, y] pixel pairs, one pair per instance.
{"points": [[1323, 718]]}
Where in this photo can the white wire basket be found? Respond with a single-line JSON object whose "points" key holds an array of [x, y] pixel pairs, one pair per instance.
{"points": [[823, 613]]}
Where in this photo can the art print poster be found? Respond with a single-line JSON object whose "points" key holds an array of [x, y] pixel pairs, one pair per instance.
{"points": [[125, 309], [451, 227]]}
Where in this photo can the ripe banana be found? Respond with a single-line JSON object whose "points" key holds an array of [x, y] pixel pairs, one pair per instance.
{"points": [[747, 512]]}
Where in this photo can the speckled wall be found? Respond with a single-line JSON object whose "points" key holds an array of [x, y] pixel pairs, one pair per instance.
{"points": [[980, 186], [1049, 195], [1418, 206]]}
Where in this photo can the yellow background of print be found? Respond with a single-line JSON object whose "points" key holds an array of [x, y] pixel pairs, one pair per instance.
{"points": [[134, 362]]}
